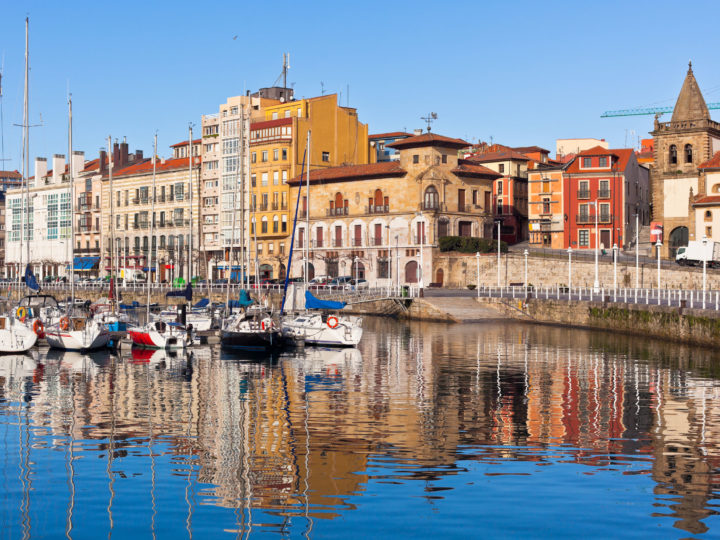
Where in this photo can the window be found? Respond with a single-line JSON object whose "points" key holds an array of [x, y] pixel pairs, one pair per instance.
{"points": [[253, 157], [603, 162], [230, 163], [475, 197], [264, 155], [299, 112], [444, 158], [276, 224], [284, 152], [416, 158], [546, 186], [284, 227], [326, 156], [587, 163], [383, 270], [264, 179], [284, 177], [708, 232], [584, 213], [501, 168], [673, 154], [260, 248], [432, 199], [688, 153], [604, 212], [584, 189], [271, 248], [499, 187], [253, 180], [584, 237], [264, 225], [276, 178], [275, 115], [230, 146], [604, 189], [276, 154], [546, 205], [708, 215]]}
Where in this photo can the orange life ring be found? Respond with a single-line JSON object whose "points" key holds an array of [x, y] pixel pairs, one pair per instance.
{"points": [[332, 322], [64, 323], [38, 327]]}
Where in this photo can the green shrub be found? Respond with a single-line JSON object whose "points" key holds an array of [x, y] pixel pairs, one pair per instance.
{"points": [[467, 244]]}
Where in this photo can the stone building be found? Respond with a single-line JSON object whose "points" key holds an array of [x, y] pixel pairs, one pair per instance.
{"points": [[690, 138], [382, 221]]}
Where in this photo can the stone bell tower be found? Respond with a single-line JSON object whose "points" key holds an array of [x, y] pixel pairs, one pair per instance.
{"points": [[688, 139]]}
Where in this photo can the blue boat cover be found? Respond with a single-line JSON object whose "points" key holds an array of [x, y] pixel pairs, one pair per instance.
{"points": [[85, 263], [202, 303], [133, 305], [186, 292], [315, 303]]}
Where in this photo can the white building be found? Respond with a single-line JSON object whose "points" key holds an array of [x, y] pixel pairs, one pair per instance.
{"points": [[47, 224]]}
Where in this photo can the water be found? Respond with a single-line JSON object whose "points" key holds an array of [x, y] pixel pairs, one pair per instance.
{"points": [[425, 431]]}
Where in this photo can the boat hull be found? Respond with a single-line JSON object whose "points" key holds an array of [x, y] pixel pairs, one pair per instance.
{"points": [[78, 340], [250, 341], [17, 340], [155, 340], [313, 331]]}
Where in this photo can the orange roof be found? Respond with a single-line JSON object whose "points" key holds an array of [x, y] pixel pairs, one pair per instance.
{"points": [[390, 135], [145, 166], [352, 172], [622, 157], [710, 200], [468, 168], [10, 174], [712, 163], [500, 155], [185, 143], [271, 123], [429, 139], [531, 150]]}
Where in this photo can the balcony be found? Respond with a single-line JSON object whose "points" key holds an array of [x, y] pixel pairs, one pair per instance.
{"points": [[589, 219], [263, 207], [463, 208], [357, 242], [342, 211], [317, 243], [160, 199], [275, 206], [604, 194], [583, 194], [136, 201], [377, 241], [419, 239], [337, 243], [377, 209]]}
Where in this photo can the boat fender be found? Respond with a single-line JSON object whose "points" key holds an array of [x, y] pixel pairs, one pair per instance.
{"points": [[39, 328], [332, 322], [21, 313], [64, 323], [266, 326]]}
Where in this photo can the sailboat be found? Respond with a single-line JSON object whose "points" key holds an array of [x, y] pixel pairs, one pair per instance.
{"points": [[317, 326], [15, 337], [75, 332]]}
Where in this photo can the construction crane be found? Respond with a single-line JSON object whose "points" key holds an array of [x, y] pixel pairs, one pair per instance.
{"points": [[649, 110]]}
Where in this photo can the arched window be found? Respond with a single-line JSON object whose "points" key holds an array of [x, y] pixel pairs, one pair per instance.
{"points": [[708, 215], [688, 153], [411, 272], [673, 154], [264, 225], [338, 200], [378, 200], [678, 238], [431, 199], [276, 224]]}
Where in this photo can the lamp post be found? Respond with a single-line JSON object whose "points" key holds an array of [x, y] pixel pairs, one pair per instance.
{"points": [[657, 247], [356, 270], [422, 267], [526, 278], [637, 252], [397, 262], [704, 241], [477, 270], [498, 257], [615, 255], [596, 284], [569, 269]]}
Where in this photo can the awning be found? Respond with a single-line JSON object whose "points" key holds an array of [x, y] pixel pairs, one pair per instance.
{"points": [[85, 263]]}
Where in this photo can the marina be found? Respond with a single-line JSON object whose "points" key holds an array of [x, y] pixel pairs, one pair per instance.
{"points": [[457, 426]]}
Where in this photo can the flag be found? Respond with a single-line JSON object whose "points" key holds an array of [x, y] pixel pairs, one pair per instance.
{"points": [[30, 279]]}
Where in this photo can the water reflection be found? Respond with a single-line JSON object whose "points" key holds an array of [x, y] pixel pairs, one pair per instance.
{"points": [[507, 415]]}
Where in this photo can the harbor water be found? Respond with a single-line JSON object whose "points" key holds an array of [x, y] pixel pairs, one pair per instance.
{"points": [[425, 430]]}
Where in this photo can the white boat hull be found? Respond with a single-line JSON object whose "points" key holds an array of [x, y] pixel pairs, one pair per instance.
{"points": [[314, 331], [91, 338], [16, 339]]}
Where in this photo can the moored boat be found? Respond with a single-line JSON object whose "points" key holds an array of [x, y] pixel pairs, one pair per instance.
{"points": [[15, 337]]}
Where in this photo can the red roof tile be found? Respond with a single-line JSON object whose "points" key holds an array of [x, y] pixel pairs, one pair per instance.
{"points": [[429, 139], [530, 150], [271, 123], [468, 168], [390, 135], [500, 155], [712, 163], [185, 143], [145, 166], [622, 156], [352, 172], [10, 174], [709, 200]]}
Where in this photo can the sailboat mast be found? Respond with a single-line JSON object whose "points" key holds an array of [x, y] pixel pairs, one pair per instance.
{"points": [[190, 199], [72, 202], [113, 269], [241, 161], [25, 200], [307, 209], [233, 207], [152, 233]]}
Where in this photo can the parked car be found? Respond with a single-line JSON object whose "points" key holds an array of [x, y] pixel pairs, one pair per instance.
{"points": [[357, 284], [340, 281]]}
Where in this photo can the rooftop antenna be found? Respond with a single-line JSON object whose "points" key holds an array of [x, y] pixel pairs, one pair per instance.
{"points": [[322, 88], [283, 75], [429, 119]]}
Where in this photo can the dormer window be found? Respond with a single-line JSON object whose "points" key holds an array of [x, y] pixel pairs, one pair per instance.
{"points": [[688, 153], [587, 163], [603, 162]]}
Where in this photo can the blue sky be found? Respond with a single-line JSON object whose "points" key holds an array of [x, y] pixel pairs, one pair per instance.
{"points": [[522, 73]]}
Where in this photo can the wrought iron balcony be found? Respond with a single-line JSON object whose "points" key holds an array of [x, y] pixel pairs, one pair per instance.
{"points": [[604, 194], [583, 194], [589, 219], [377, 209], [342, 211]]}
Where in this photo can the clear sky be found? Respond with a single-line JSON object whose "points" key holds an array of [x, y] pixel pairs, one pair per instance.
{"points": [[523, 73]]}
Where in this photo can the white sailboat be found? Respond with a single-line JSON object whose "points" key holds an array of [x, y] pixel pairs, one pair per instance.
{"points": [[15, 337], [73, 332], [317, 325]]}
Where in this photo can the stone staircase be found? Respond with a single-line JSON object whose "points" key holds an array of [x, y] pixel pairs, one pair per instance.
{"points": [[464, 309], [644, 244]]}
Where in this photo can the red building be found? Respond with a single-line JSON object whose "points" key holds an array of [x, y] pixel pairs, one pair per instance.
{"points": [[603, 190]]}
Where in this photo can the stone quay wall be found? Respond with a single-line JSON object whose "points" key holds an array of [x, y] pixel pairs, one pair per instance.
{"points": [[459, 270]]}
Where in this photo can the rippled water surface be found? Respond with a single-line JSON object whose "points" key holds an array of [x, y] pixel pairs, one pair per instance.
{"points": [[425, 431]]}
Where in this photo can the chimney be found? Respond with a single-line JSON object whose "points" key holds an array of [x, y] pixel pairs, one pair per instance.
{"points": [[138, 156], [116, 156], [78, 162], [40, 169], [123, 153], [103, 158], [58, 167], [417, 132]]}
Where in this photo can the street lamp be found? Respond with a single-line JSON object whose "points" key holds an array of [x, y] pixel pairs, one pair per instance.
{"points": [[477, 266], [569, 268], [615, 255], [397, 262], [637, 253], [657, 247], [526, 278], [704, 241], [357, 269], [596, 285], [498, 257]]}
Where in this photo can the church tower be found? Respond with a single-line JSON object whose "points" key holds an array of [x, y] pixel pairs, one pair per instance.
{"points": [[687, 140]]}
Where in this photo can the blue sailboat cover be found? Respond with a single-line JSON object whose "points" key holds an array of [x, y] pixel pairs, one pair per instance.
{"points": [[187, 293], [30, 279], [315, 303], [202, 304]]}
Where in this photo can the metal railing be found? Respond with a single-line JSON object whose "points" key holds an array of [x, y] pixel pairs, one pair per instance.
{"points": [[588, 219], [377, 209]]}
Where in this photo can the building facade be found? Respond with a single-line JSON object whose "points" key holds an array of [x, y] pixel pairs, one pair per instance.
{"points": [[382, 221], [546, 207], [690, 138]]}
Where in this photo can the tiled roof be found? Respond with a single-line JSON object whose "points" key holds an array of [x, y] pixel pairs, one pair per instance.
{"points": [[271, 123], [709, 200], [501, 155], [352, 172], [530, 149], [623, 156], [145, 166], [10, 174], [712, 163], [390, 135], [185, 143], [468, 168], [429, 139]]}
